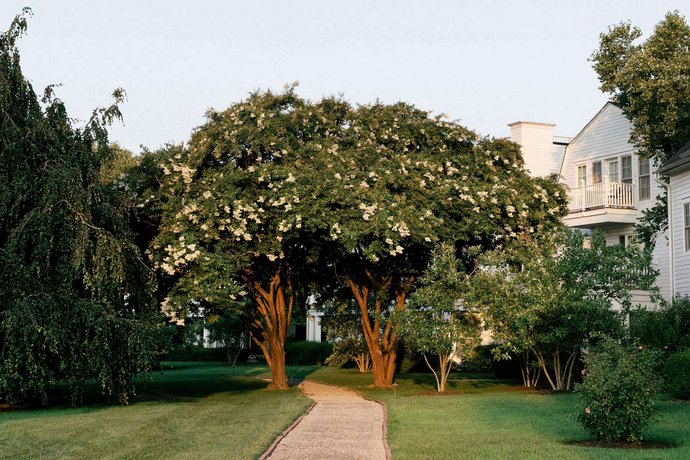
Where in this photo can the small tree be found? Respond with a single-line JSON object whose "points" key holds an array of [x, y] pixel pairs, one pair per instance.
{"points": [[548, 297], [229, 330], [435, 324], [343, 327]]}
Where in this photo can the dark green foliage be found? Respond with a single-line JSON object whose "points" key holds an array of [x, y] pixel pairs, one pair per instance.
{"points": [[307, 353], [653, 222], [666, 329], [650, 82], [616, 397], [678, 374], [75, 298], [198, 354]]}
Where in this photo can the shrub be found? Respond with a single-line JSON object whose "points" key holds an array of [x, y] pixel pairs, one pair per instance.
{"points": [[616, 396], [307, 353], [665, 329], [197, 354], [678, 374]]}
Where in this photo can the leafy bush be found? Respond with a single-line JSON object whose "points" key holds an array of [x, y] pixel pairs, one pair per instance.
{"points": [[197, 354], [616, 397], [307, 353], [678, 374], [665, 329]]}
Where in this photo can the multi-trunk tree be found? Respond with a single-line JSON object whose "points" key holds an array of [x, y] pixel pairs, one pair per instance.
{"points": [[438, 323], [547, 298], [233, 233], [395, 184]]}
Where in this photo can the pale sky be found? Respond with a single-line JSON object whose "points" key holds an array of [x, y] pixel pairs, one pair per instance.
{"points": [[485, 63]]}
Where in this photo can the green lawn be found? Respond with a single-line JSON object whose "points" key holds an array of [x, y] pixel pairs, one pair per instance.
{"points": [[493, 420], [192, 411], [202, 411]]}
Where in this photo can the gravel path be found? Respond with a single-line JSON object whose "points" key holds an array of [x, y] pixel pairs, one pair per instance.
{"points": [[341, 425]]}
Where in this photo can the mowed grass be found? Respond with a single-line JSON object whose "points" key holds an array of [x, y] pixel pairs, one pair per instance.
{"points": [[200, 410], [190, 411], [490, 419]]}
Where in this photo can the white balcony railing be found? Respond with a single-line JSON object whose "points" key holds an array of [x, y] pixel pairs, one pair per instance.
{"points": [[602, 195]]}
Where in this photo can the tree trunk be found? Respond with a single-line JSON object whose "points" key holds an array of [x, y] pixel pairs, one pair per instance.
{"points": [[382, 344], [272, 324], [363, 361]]}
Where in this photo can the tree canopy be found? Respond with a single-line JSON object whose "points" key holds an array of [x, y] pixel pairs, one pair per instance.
{"points": [[650, 81]]}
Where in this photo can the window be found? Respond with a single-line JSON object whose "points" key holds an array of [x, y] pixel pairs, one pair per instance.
{"points": [[612, 170], [625, 240], [596, 172], [626, 169], [645, 180], [581, 176], [686, 225]]}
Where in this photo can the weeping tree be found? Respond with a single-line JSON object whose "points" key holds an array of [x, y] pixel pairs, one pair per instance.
{"points": [[233, 232], [438, 324], [398, 181], [75, 296]]}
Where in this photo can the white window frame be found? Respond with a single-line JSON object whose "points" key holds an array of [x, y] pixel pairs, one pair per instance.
{"points": [[648, 176], [626, 180], [607, 169], [686, 225]]}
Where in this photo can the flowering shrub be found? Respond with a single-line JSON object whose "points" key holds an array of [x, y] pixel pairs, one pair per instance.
{"points": [[678, 374], [616, 397]]}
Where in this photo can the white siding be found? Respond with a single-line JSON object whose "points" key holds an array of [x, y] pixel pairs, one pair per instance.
{"points": [[680, 187], [607, 137]]}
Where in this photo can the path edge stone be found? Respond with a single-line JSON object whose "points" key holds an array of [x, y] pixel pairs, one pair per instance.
{"points": [[384, 433], [267, 454]]}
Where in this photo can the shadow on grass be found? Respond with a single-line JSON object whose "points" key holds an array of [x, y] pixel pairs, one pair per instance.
{"points": [[174, 381]]}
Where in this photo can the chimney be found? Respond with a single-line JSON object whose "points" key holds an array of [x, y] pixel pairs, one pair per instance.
{"points": [[541, 151]]}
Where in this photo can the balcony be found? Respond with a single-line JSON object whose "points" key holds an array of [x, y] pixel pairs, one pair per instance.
{"points": [[606, 203]]}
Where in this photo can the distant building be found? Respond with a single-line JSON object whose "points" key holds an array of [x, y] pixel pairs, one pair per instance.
{"points": [[542, 151]]}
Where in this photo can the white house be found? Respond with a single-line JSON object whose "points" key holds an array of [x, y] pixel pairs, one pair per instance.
{"points": [[610, 185], [677, 168]]}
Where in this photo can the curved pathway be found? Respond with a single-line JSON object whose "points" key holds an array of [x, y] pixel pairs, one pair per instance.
{"points": [[340, 425]]}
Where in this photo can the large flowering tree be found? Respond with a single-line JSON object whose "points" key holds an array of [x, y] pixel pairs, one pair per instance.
{"points": [[394, 184], [233, 232]]}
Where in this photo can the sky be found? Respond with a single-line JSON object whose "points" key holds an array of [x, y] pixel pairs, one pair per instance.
{"points": [[484, 63]]}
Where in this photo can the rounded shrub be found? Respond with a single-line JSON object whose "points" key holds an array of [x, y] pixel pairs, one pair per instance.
{"points": [[307, 353], [616, 396], [678, 374]]}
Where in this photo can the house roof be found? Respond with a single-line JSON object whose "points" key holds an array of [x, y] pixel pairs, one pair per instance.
{"points": [[578, 135], [680, 159]]}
